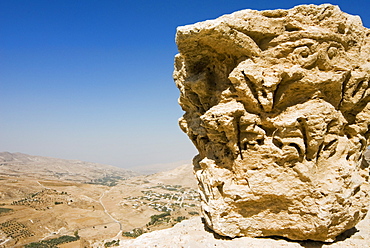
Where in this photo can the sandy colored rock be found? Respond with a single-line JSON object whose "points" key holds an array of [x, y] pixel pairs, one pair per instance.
{"points": [[191, 233], [277, 104]]}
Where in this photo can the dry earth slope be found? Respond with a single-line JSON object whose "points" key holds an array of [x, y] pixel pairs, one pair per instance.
{"points": [[20, 164], [44, 199]]}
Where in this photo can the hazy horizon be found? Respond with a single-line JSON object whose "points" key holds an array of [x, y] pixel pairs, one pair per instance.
{"points": [[92, 80]]}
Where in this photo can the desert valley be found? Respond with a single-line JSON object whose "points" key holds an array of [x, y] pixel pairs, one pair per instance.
{"points": [[47, 202]]}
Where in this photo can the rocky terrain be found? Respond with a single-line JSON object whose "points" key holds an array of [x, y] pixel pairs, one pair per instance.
{"points": [[277, 103], [193, 233]]}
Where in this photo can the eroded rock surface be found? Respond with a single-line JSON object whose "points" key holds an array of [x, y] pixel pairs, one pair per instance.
{"points": [[277, 104], [192, 234]]}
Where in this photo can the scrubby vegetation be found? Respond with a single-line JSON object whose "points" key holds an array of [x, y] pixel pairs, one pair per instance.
{"points": [[107, 180], [136, 232], [155, 220], [5, 210], [180, 218], [158, 218], [193, 213], [112, 243], [53, 243]]}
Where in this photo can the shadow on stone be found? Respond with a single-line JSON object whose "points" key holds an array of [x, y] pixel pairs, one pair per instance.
{"points": [[347, 234], [311, 244], [318, 244], [305, 243]]}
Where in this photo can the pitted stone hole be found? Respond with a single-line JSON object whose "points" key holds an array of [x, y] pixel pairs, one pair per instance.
{"points": [[357, 189], [341, 28], [237, 197], [358, 87], [207, 213], [364, 164], [245, 146], [277, 143], [363, 144], [291, 28], [204, 139], [269, 131], [323, 194], [304, 55], [301, 119], [221, 188], [264, 94], [330, 144], [273, 14], [296, 147], [348, 156]]}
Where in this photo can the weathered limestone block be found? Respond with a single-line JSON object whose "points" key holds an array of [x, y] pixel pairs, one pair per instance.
{"points": [[277, 104]]}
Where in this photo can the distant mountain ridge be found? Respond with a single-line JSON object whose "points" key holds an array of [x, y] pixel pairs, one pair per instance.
{"points": [[20, 164]]}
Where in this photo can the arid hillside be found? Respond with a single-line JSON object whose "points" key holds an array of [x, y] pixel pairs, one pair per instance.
{"points": [[20, 164], [61, 202], [42, 209]]}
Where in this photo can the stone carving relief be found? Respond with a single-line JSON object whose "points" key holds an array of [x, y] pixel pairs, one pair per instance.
{"points": [[277, 104]]}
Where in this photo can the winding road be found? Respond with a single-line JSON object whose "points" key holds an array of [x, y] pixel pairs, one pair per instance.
{"points": [[119, 234]]}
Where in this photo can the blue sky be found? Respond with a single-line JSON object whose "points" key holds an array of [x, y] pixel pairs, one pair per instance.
{"points": [[92, 80]]}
